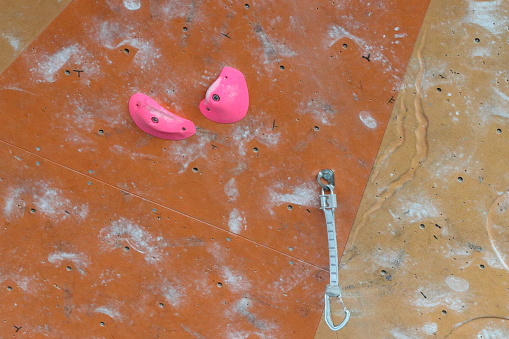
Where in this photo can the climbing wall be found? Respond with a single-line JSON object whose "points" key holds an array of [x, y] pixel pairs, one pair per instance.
{"points": [[428, 253], [109, 230]]}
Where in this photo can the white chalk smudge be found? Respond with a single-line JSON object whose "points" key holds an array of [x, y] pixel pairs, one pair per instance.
{"points": [[173, 294], [26, 283], [321, 110], [489, 15], [430, 328], [437, 296], [132, 5], [231, 189], [234, 280], [138, 238], [367, 119], [80, 260], [415, 211], [242, 308], [303, 194], [187, 151], [48, 65], [13, 41], [110, 312], [398, 333], [243, 134], [113, 35], [46, 200], [272, 49], [13, 201], [457, 284], [336, 33], [236, 222], [386, 257], [494, 332], [51, 203]]}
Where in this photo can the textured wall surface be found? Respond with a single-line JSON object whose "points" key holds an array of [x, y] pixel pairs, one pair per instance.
{"points": [[21, 21], [428, 254], [109, 231]]}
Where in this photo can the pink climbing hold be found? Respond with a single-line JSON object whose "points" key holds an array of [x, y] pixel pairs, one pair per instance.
{"points": [[227, 99], [155, 120]]}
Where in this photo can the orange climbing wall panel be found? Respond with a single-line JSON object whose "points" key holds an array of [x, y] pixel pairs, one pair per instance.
{"points": [[219, 235]]}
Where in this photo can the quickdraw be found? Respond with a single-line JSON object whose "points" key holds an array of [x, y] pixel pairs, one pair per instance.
{"points": [[328, 204]]}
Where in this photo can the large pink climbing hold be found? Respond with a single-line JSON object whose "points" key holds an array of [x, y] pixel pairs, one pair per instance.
{"points": [[227, 99], [155, 120]]}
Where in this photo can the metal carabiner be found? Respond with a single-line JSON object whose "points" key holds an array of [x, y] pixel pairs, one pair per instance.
{"points": [[328, 175], [328, 317]]}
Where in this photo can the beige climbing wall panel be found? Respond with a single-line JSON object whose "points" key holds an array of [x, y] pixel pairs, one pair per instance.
{"points": [[428, 254]]}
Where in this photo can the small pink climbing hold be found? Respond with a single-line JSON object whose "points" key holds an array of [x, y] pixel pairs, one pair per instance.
{"points": [[227, 99], [155, 120]]}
